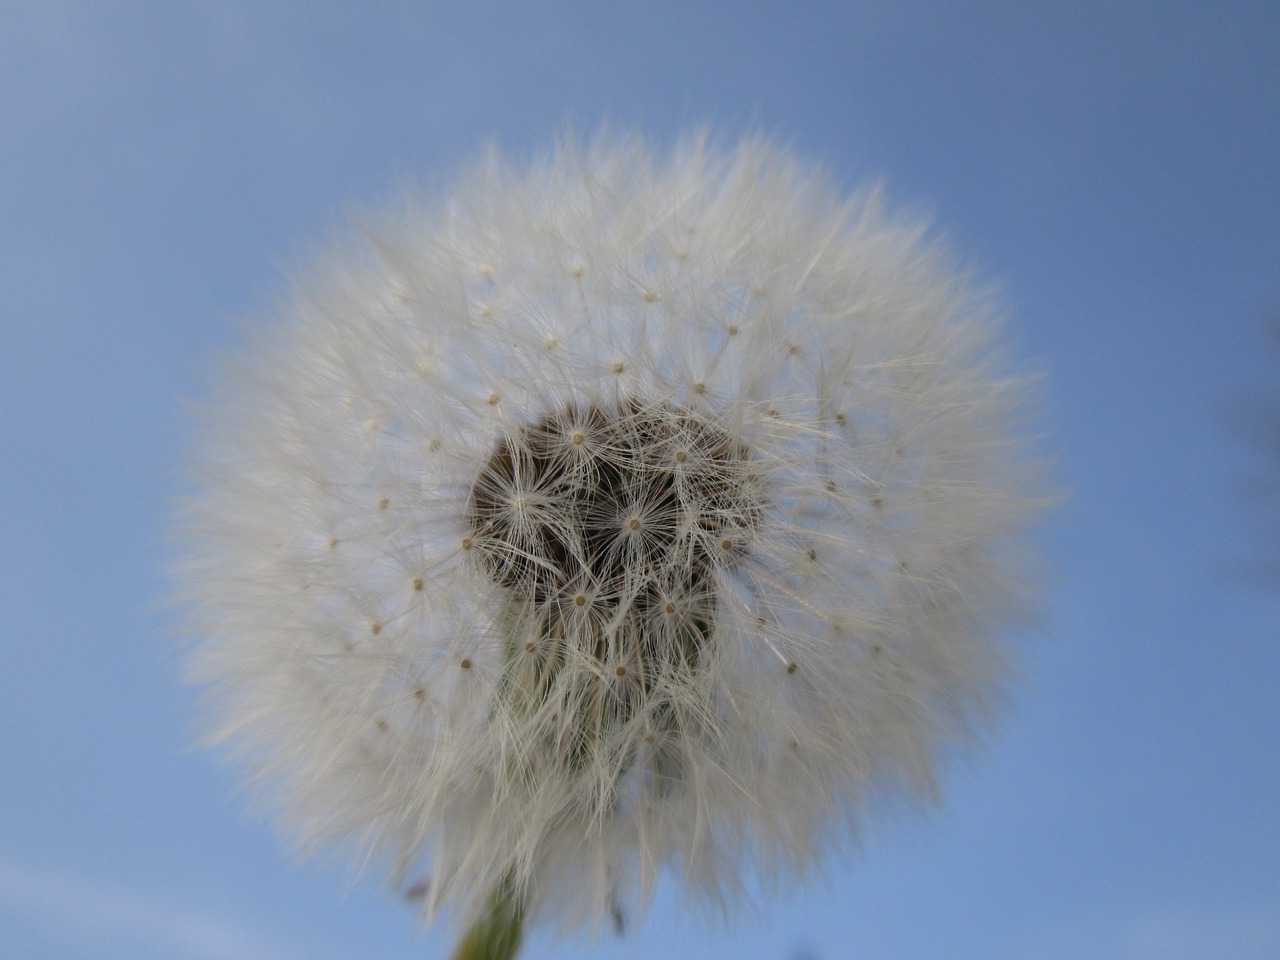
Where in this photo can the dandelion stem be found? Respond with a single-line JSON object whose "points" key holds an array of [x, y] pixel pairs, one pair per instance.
{"points": [[496, 934]]}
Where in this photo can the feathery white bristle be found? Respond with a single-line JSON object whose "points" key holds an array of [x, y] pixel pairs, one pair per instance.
{"points": [[616, 513]]}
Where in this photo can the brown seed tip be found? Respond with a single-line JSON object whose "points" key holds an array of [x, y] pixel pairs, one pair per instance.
{"points": [[791, 667], [465, 664], [621, 671]]}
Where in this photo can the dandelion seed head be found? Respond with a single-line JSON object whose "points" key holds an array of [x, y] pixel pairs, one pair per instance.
{"points": [[615, 513]]}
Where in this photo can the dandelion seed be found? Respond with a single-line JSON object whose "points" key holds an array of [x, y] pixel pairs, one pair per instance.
{"points": [[596, 672]]}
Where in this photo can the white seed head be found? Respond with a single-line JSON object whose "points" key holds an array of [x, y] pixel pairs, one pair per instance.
{"points": [[511, 616]]}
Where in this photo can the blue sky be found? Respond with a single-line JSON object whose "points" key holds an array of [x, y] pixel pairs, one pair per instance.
{"points": [[1112, 166]]}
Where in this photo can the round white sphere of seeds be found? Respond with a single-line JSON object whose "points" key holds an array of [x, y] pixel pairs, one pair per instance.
{"points": [[610, 513]]}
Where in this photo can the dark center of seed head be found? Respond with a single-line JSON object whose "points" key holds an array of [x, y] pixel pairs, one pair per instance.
{"points": [[609, 512]]}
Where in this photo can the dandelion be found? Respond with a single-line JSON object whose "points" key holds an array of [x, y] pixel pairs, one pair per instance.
{"points": [[613, 515]]}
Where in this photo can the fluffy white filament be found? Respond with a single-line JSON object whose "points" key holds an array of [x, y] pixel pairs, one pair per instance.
{"points": [[617, 513]]}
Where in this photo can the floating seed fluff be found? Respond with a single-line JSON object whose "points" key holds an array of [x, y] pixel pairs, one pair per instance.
{"points": [[611, 514]]}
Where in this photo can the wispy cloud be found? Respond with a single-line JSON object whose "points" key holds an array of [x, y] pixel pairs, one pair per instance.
{"points": [[1242, 931], [77, 908]]}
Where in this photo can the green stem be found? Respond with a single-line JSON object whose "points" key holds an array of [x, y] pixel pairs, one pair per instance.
{"points": [[496, 934]]}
